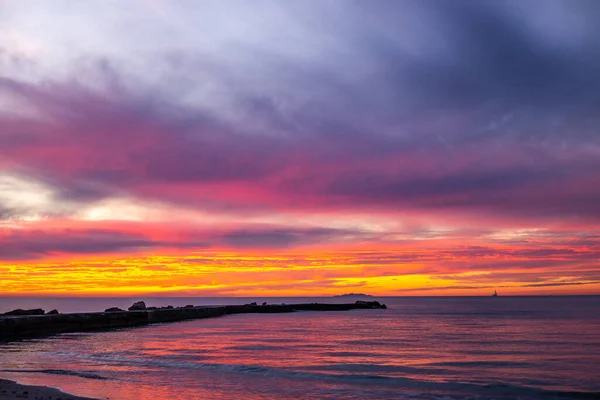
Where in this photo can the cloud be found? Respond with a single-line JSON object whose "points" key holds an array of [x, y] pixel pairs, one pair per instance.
{"points": [[492, 286], [508, 59], [31, 245], [27, 244], [109, 146], [550, 284], [285, 237], [407, 122]]}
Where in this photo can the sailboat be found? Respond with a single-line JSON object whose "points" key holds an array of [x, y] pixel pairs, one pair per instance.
{"points": [[495, 294]]}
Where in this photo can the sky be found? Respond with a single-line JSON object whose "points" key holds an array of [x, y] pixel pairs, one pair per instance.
{"points": [[299, 148]]}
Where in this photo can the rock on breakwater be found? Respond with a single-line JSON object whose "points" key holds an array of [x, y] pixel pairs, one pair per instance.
{"points": [[31, 326]]}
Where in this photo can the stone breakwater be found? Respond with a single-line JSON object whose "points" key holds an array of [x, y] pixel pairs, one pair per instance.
{"points": [[19, 326]]}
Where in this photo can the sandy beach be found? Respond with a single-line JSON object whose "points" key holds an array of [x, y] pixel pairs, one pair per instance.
{"points": [[10, 390]]}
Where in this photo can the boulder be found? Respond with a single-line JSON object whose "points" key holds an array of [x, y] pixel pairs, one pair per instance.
{"points": [[189, 306], [113, 309], [137, 306], [370, 304], [52, 312], [19, 312]]}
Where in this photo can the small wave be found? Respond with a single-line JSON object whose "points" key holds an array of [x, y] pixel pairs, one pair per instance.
{"points": [[241, 368], [269, 340], [500, 364], [87, 375], [358, 374], [372, 377], [376, 368], [348, 354], [542, 393], [381, 343], [253, 347]]}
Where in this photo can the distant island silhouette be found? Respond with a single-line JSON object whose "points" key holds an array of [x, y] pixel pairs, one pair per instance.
{"points": [[353, 295]]}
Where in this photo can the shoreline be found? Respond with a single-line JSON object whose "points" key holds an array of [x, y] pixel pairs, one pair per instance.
{"points": [[11, 390]]}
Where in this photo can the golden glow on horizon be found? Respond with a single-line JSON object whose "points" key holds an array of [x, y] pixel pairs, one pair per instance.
{"points": [[247, 274]]}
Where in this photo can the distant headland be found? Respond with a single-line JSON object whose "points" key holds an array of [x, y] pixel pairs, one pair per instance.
{"points": [[354, 295]]}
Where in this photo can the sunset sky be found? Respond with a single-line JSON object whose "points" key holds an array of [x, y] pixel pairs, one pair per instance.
{"points": [[315, 147]]}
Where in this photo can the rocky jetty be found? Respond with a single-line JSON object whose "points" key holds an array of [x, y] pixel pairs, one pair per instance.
{"points": [[19, 312], [15, 325]]}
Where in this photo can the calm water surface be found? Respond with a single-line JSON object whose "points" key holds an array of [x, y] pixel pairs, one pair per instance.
{"points": [[419, 348]]}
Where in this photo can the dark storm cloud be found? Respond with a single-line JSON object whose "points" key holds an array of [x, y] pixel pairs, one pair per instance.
{"points": [[495, 51], [396, 188], [461, 105], [498, 56]]}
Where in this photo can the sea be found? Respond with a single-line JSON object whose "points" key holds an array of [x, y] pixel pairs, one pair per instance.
{"points": [[441, 348]]}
